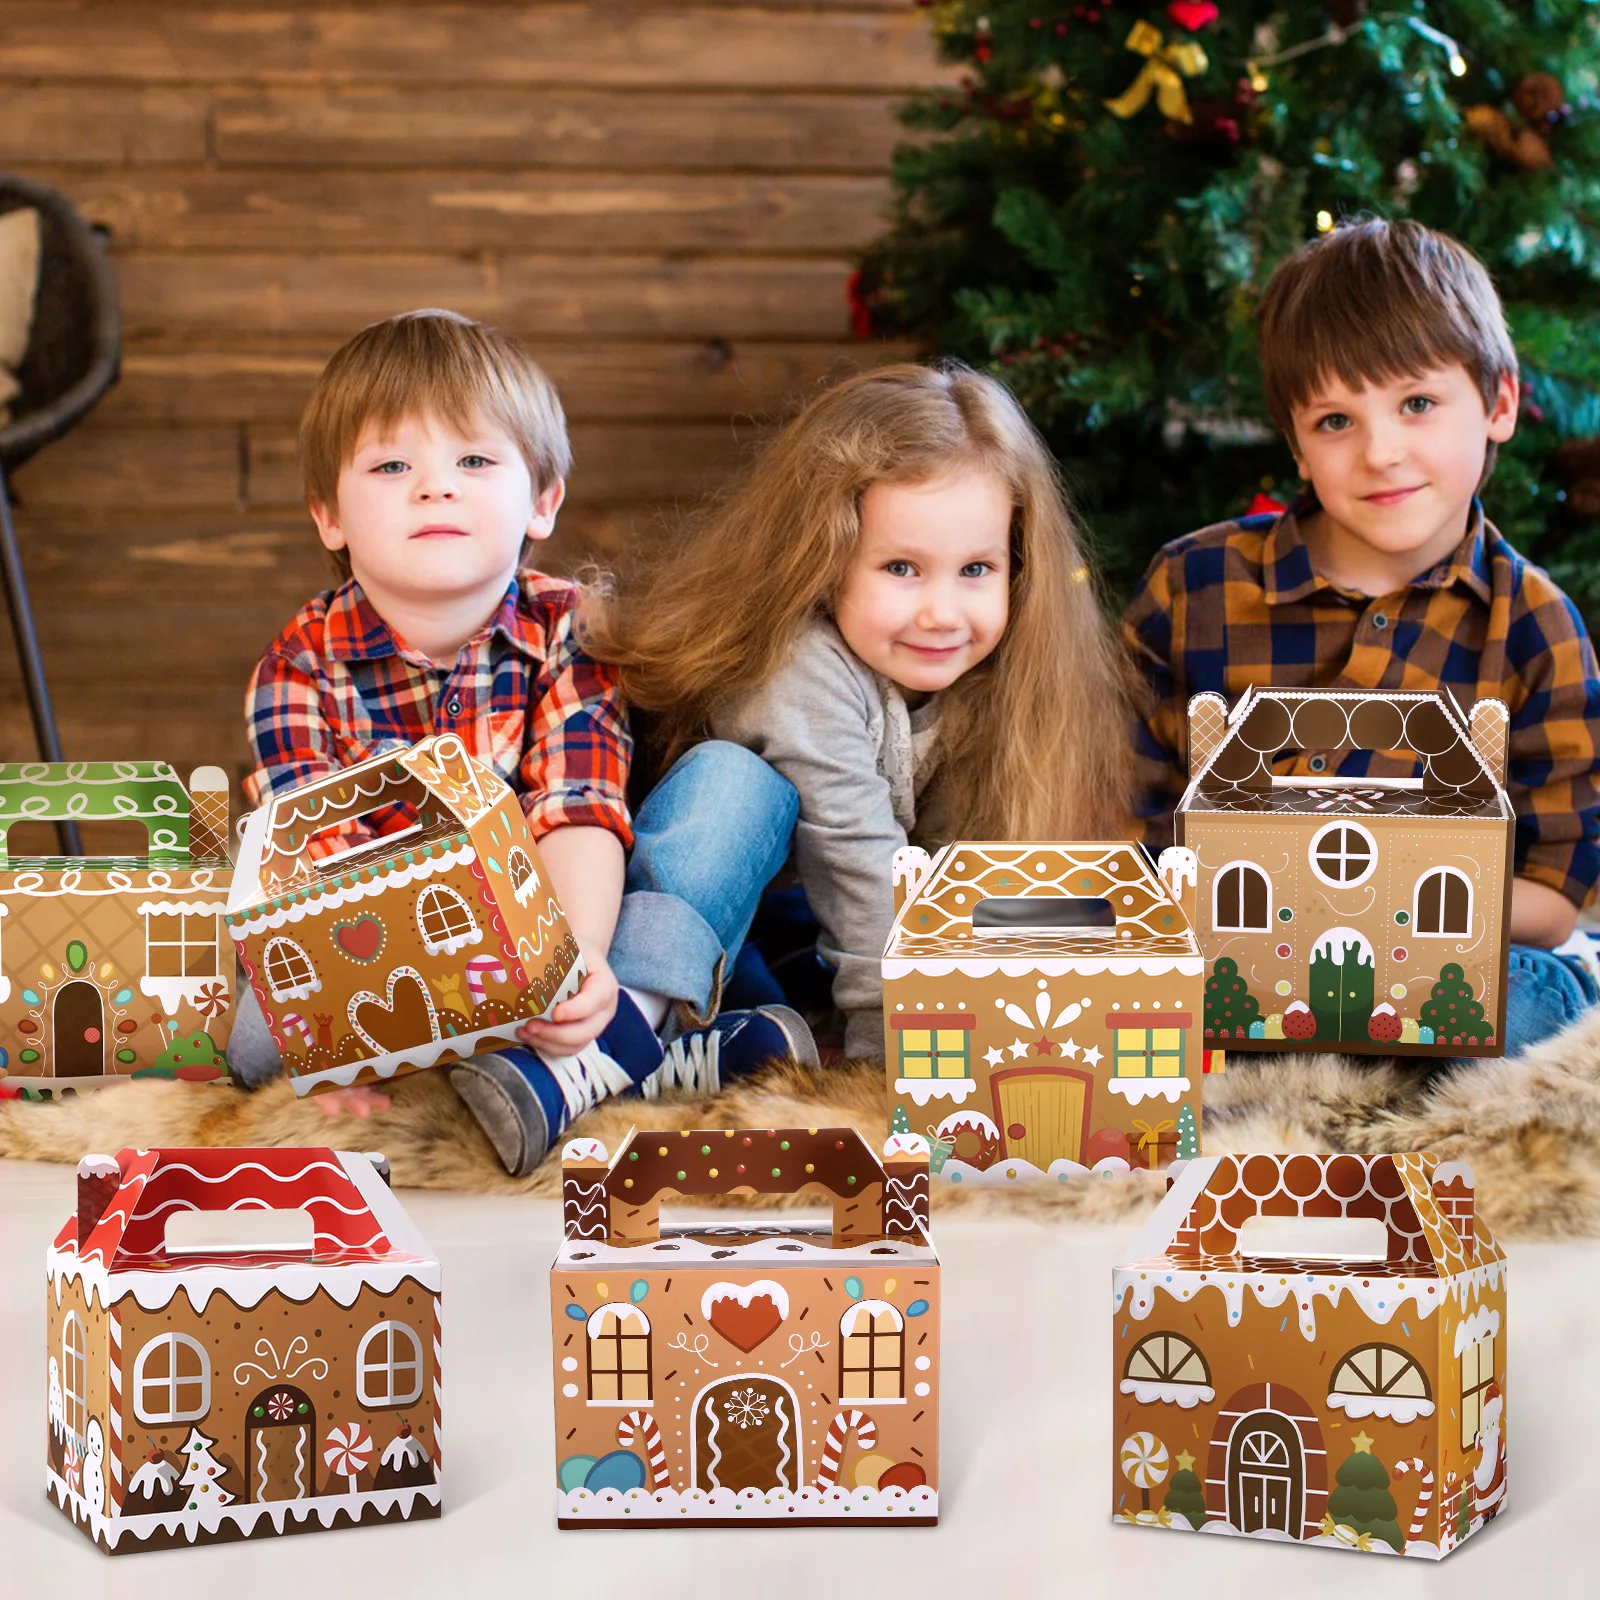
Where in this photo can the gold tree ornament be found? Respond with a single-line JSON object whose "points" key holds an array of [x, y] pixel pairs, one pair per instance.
{"points": [[1165, 68]]}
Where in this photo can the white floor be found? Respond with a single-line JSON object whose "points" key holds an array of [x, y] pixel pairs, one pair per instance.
{"points": [[1024, 1471]]}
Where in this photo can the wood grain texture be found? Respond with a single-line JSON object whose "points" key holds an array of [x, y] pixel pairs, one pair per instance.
{"points": [[663, 200]]}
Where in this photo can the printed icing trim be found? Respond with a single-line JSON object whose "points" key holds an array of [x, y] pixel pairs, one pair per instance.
{"points": [[320, 899], [1047, 967]]}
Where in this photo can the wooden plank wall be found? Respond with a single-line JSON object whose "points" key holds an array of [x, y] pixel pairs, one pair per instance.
{"points": [[662, 199]]}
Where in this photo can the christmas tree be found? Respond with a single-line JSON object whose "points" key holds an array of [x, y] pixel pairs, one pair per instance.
{"points": [[1453, 1012], [201, 1473], [1230, 1008], [1093, 210], [1188, 1139], [1362, 1501], [1185, 1497], [899, 1123]]}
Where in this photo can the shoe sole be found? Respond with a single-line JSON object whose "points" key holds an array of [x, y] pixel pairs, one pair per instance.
{"points": [[506, 1109], [796, 1032]]}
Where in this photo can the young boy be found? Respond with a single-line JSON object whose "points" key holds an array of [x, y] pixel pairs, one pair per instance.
{"points": [[1388, 367], [434, 454]]}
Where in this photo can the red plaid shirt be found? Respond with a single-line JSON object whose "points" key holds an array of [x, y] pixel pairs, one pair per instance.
{"points": [[338, 686]]}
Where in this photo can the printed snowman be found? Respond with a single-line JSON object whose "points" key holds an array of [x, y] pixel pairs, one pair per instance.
{"points": [[94, 1467]]}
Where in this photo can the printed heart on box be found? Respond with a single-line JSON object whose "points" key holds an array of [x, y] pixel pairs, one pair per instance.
{"points": [[402, 1020], [745, 1314], [361, 940]]}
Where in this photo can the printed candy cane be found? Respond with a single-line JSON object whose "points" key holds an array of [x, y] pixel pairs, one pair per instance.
{"points": [[843, 1424], [1420, 1515], [479, 968], [293, 1022], [640, 1426]]}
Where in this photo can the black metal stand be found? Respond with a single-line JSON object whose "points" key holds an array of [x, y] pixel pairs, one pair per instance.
{"points": [[32, 663]]}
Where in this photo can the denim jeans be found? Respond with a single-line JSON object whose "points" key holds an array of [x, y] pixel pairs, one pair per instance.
{"points": [[1544, 993], [707, 840]]}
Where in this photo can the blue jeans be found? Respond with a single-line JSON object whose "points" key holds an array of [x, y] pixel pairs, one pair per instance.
{"points": [[707, 840], [1544, 993]]}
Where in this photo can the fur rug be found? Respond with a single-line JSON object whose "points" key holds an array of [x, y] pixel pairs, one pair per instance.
{"points": [[1530, 1128]]}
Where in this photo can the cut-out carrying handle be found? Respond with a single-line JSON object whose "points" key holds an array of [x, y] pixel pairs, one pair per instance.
{"points": [[326, 805], [147, 792]]}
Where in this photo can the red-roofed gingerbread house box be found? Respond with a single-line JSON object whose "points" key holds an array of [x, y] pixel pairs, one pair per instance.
{"points": [[1312, 1348], [757, 1373], [240, 1343]]}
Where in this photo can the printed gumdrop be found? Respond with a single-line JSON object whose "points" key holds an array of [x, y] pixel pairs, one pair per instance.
{"points": [[1230, 1008], [1298, 1022], [1453, 1012], [1274, 1026]]}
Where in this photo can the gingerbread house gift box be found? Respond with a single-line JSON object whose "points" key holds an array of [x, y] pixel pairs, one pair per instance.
{"points": [[749, 1373], [1042, 1008], [1366, 914], [115, 966], [397, 951], [1312, 1348], [241, 1342]]}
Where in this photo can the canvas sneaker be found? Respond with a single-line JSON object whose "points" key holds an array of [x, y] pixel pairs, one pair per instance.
{"points": [[732, 1047]]}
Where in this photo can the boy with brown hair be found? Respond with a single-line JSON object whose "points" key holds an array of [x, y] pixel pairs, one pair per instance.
{"points": [[435, 456], [1389, 369]]}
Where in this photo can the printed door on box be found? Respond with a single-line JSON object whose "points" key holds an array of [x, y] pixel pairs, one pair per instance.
{"points": [[1266, 1474], [78, 1033], [1342, 985], [280, 1451], [1041, 1115], [747, 1435]]}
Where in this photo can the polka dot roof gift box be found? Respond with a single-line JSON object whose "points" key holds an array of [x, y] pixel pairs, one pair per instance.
{"points": [[1312, 1348], [396, 916], [240, 1343], [748, 1372], [1042, 1009], [114, 966], [1354, 855]]}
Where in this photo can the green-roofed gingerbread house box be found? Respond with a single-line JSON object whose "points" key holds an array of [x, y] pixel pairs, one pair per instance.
{"points": [[112, 966]]}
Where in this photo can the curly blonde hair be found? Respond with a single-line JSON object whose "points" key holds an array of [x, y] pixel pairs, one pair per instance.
{"points": [[1033, 742]]}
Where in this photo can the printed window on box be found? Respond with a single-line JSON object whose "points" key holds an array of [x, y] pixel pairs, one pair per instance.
{"points": [[935, 1044], [1383, 1377], [74, 1374], [1477, 1373], [1444, 904], [1343, 854], [181, 946], [1161, 1360], [1148, 1047], [389, 1366], [445, 921], [619, 1355], [871, 1352], [1241, 899], [171, 1381], [288, 969]]}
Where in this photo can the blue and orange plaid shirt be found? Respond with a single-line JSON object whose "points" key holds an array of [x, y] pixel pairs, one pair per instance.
{"points": [[338, 686], [1238, 604]]}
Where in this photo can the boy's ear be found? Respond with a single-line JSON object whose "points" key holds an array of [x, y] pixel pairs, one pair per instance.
{"points": [[1503, 413], [542, 522], [327, 521]]}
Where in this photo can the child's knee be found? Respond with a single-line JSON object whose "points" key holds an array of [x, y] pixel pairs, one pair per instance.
{"points": [[728, 776]]}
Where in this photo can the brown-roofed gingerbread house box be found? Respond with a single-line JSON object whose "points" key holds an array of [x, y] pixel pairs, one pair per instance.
{"points": [[755, 1372], [240, 1342], [1042, 1009], [1359, 913], [115, 966], [1348, 1393], [395, 952]]}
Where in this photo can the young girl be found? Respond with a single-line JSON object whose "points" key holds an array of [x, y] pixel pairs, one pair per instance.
{"points": [[894, 609]]}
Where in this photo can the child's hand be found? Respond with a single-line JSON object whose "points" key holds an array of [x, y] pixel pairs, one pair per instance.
{"points": [[580, 1018], [359, 1100]]}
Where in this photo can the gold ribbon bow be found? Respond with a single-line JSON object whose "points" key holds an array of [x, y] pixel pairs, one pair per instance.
{"points": [[1165, 68], [1150, 1134]]}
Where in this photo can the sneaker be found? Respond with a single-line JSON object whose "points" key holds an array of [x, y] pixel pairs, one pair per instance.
{"points": [[731, 1048]]}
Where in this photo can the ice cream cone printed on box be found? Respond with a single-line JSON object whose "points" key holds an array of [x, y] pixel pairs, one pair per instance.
{"points": [[1042, 1007], [377, 953], [241, 1343], [1312, 1348], [753, 1372], [114, 966], [1365, 914]]}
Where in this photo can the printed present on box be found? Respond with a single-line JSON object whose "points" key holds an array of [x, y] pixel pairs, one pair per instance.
{"points": [[1042, 1009], [752, 1372], [241, 1342], [1312, 1347], [1365, 914], [115, 966], [418, 945]]}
